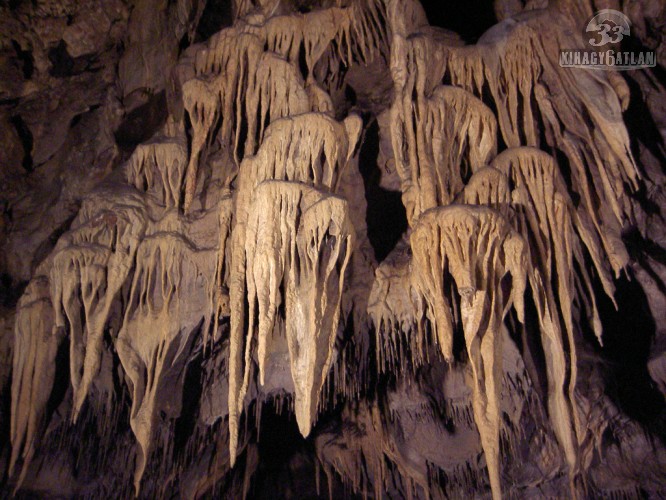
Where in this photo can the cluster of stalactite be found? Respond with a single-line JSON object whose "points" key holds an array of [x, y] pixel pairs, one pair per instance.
{"points": [[145, 267], [255, 221], [478, 217]]}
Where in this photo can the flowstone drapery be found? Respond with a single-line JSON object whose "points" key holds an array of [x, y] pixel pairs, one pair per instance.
{"points": [[297, 246], [477, 248], [223, 278], [438, 141], [159, 326]]}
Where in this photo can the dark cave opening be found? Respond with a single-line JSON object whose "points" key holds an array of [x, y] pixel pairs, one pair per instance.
{"points": [[644, 129], [281, 447], [527, 338], [186, 422], [5, 412], [62, 64], [628, 381], [10, 290], [26, 58], [217, 15], [61, 381], [287, 466], [141, 123], [470, 19], [25, 135], [385, 216]]}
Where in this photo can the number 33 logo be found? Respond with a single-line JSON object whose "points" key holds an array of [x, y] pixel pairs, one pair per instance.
{"points": [[608, 35], [610, 26]]}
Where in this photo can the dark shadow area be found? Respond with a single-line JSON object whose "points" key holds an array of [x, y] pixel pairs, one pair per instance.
{"points": [[5, 415], [527, 338], [27, 61], [77, 118], [60, 381], [386, 217], [639, 120], [192, 389], [287, 462], [25, 135], [64, 65], [642, 249], [628, 334], [46, 246], [141, 123], [10, 291], [216, 16], [565, 169], [469, 18]]}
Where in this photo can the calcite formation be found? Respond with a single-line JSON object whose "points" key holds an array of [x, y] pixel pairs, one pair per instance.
{"points": [[477, 248], [221, 278], [297, 246]]}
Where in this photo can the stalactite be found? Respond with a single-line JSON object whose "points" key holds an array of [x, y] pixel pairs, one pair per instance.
{"points": [[221, 293], [284, 155], [363, 263], [158, 328], [86, 276], [297, 245], [580, 111], [477, 248], [439, 139], [546, 217], [81, 279], [489, 186], [354, 32], [201, 103], [257, 88], [357, 452], [248, 82], [158, 167], [36, 346], [311, 148], [395, 308]]}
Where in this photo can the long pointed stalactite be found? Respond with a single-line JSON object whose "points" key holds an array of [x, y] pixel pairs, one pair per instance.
{"points": [[477, 248], [280, 157]]}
